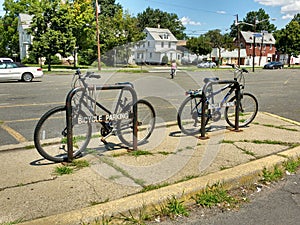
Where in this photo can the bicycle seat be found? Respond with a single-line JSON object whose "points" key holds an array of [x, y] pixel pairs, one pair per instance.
{"points": [[208, 79]]}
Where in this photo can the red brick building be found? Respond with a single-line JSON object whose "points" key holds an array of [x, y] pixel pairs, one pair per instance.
{"points": [[264, 47]]}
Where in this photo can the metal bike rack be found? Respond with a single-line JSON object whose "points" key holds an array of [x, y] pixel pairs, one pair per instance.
{"points": [[204, 103], [71, 94]]}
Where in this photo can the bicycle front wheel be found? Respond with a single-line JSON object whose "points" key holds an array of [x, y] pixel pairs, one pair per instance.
{"points": [[189, 115], [145, 124], [247, 110], [50, 134]]}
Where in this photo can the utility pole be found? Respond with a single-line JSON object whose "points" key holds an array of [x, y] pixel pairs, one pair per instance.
{"points": [[253, 62], [239, 40], [98, 35]]}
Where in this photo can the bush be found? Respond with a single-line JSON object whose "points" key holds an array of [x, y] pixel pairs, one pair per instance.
{"points": [[164, 60], [54, 60]]}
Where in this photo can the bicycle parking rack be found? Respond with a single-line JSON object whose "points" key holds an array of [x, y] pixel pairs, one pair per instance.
{"points": [[124, 86], [205, 105]]}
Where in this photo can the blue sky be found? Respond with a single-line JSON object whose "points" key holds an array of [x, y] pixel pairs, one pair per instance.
{"points": [[199, 16]]}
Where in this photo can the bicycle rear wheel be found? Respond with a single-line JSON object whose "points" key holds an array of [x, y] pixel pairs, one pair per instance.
{"points": [[50, 134], [247, 110], [189, 115], [145, 121]]}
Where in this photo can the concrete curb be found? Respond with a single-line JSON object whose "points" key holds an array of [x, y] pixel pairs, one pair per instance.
{"points": [[233, 177]]}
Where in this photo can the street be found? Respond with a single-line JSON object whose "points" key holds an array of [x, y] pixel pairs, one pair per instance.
{"points": [[22, 104]]}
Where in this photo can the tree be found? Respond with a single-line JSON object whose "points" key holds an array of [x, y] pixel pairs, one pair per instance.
{"points": [[249, 23], [219, 41], [51, 29], [288, 39], [155, 17], [199, 45], [9, 41]]}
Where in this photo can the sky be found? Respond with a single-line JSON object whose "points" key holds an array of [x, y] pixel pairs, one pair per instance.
{"points": [[200, 16]]}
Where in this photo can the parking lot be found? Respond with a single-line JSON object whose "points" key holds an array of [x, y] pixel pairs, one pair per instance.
{"points": [[22, 104]]}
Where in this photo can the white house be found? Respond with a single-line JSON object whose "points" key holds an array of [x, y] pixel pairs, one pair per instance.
{"points": [[25, 39], [157, 44]]}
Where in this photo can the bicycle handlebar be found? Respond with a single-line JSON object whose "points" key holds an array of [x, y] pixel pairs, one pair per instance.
{"points": [[237, 68]]}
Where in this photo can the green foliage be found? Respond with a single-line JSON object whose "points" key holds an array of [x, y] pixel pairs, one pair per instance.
{"points": [[164, 60], [213, 195], [154, 17], [54, 60], [292, 165], [176, 208], [274, 175], [61, 170], [200, 45]]}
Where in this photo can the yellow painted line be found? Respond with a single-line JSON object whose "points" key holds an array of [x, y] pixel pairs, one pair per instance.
{"points": [[16, 135]]}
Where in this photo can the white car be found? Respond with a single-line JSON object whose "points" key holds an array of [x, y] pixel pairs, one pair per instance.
{"points": [[18, 71], [207, 65]]}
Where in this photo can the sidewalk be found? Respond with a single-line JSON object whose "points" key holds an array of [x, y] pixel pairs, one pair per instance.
{"points": [[31, 191]]}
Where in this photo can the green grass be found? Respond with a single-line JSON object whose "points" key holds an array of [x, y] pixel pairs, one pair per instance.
{"points": [[213, 195], [139, 153], [271, 175], [62, 170], [70, 167], [292, 165]]}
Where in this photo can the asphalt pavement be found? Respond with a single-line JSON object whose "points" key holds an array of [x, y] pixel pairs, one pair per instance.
{"points": [[32, 193]]}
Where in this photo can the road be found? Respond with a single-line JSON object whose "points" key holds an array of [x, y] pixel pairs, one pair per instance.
{"points": [[22, 104]]}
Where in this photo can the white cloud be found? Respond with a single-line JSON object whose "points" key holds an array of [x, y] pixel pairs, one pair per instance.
{"points": [[289, 8], [187, 21]]}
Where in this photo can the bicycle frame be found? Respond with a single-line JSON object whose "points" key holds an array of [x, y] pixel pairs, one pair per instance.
{"points": [[84, 90]]}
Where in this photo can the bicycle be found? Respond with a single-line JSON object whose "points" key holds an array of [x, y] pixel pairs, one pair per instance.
{"points": [[190, 111], [50, 134]]}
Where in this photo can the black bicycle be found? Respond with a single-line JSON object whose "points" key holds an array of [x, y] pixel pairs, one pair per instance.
{"points": [[50, 134], [190, 112]]}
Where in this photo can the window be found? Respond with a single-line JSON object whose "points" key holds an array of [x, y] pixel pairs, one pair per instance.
{"points": [[169, 44], [148, 43], [250, 46], [162, 44], [150, 55], [271, 46]]}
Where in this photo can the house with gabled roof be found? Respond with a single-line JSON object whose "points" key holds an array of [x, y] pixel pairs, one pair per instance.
{"points": [[264, 47], [157, 44]]}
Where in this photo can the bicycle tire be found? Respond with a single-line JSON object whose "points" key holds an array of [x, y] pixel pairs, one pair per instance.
{"points": [[146, 122], [50, 136], [189, 115], [248, 109]]}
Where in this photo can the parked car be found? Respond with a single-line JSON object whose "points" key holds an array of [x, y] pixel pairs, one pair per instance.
{"points": [[274, 65], [18, 71], [6, 59], [206, 65]]}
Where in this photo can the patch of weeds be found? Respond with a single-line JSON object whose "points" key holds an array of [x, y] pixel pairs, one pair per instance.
{"points": [[189, 177], [274, 175], [105, 220], [225, 167], [140, 152], [271, 142], [165, 153], [154, 187], [12, 222], [175, 207], [135, 219], [29, 147], [280, 127], [97, 203], [291, 165], [247, 152], [79, 164], [61, 170], [214, 195], [114, 177], [226, 142], [189, 147]]}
